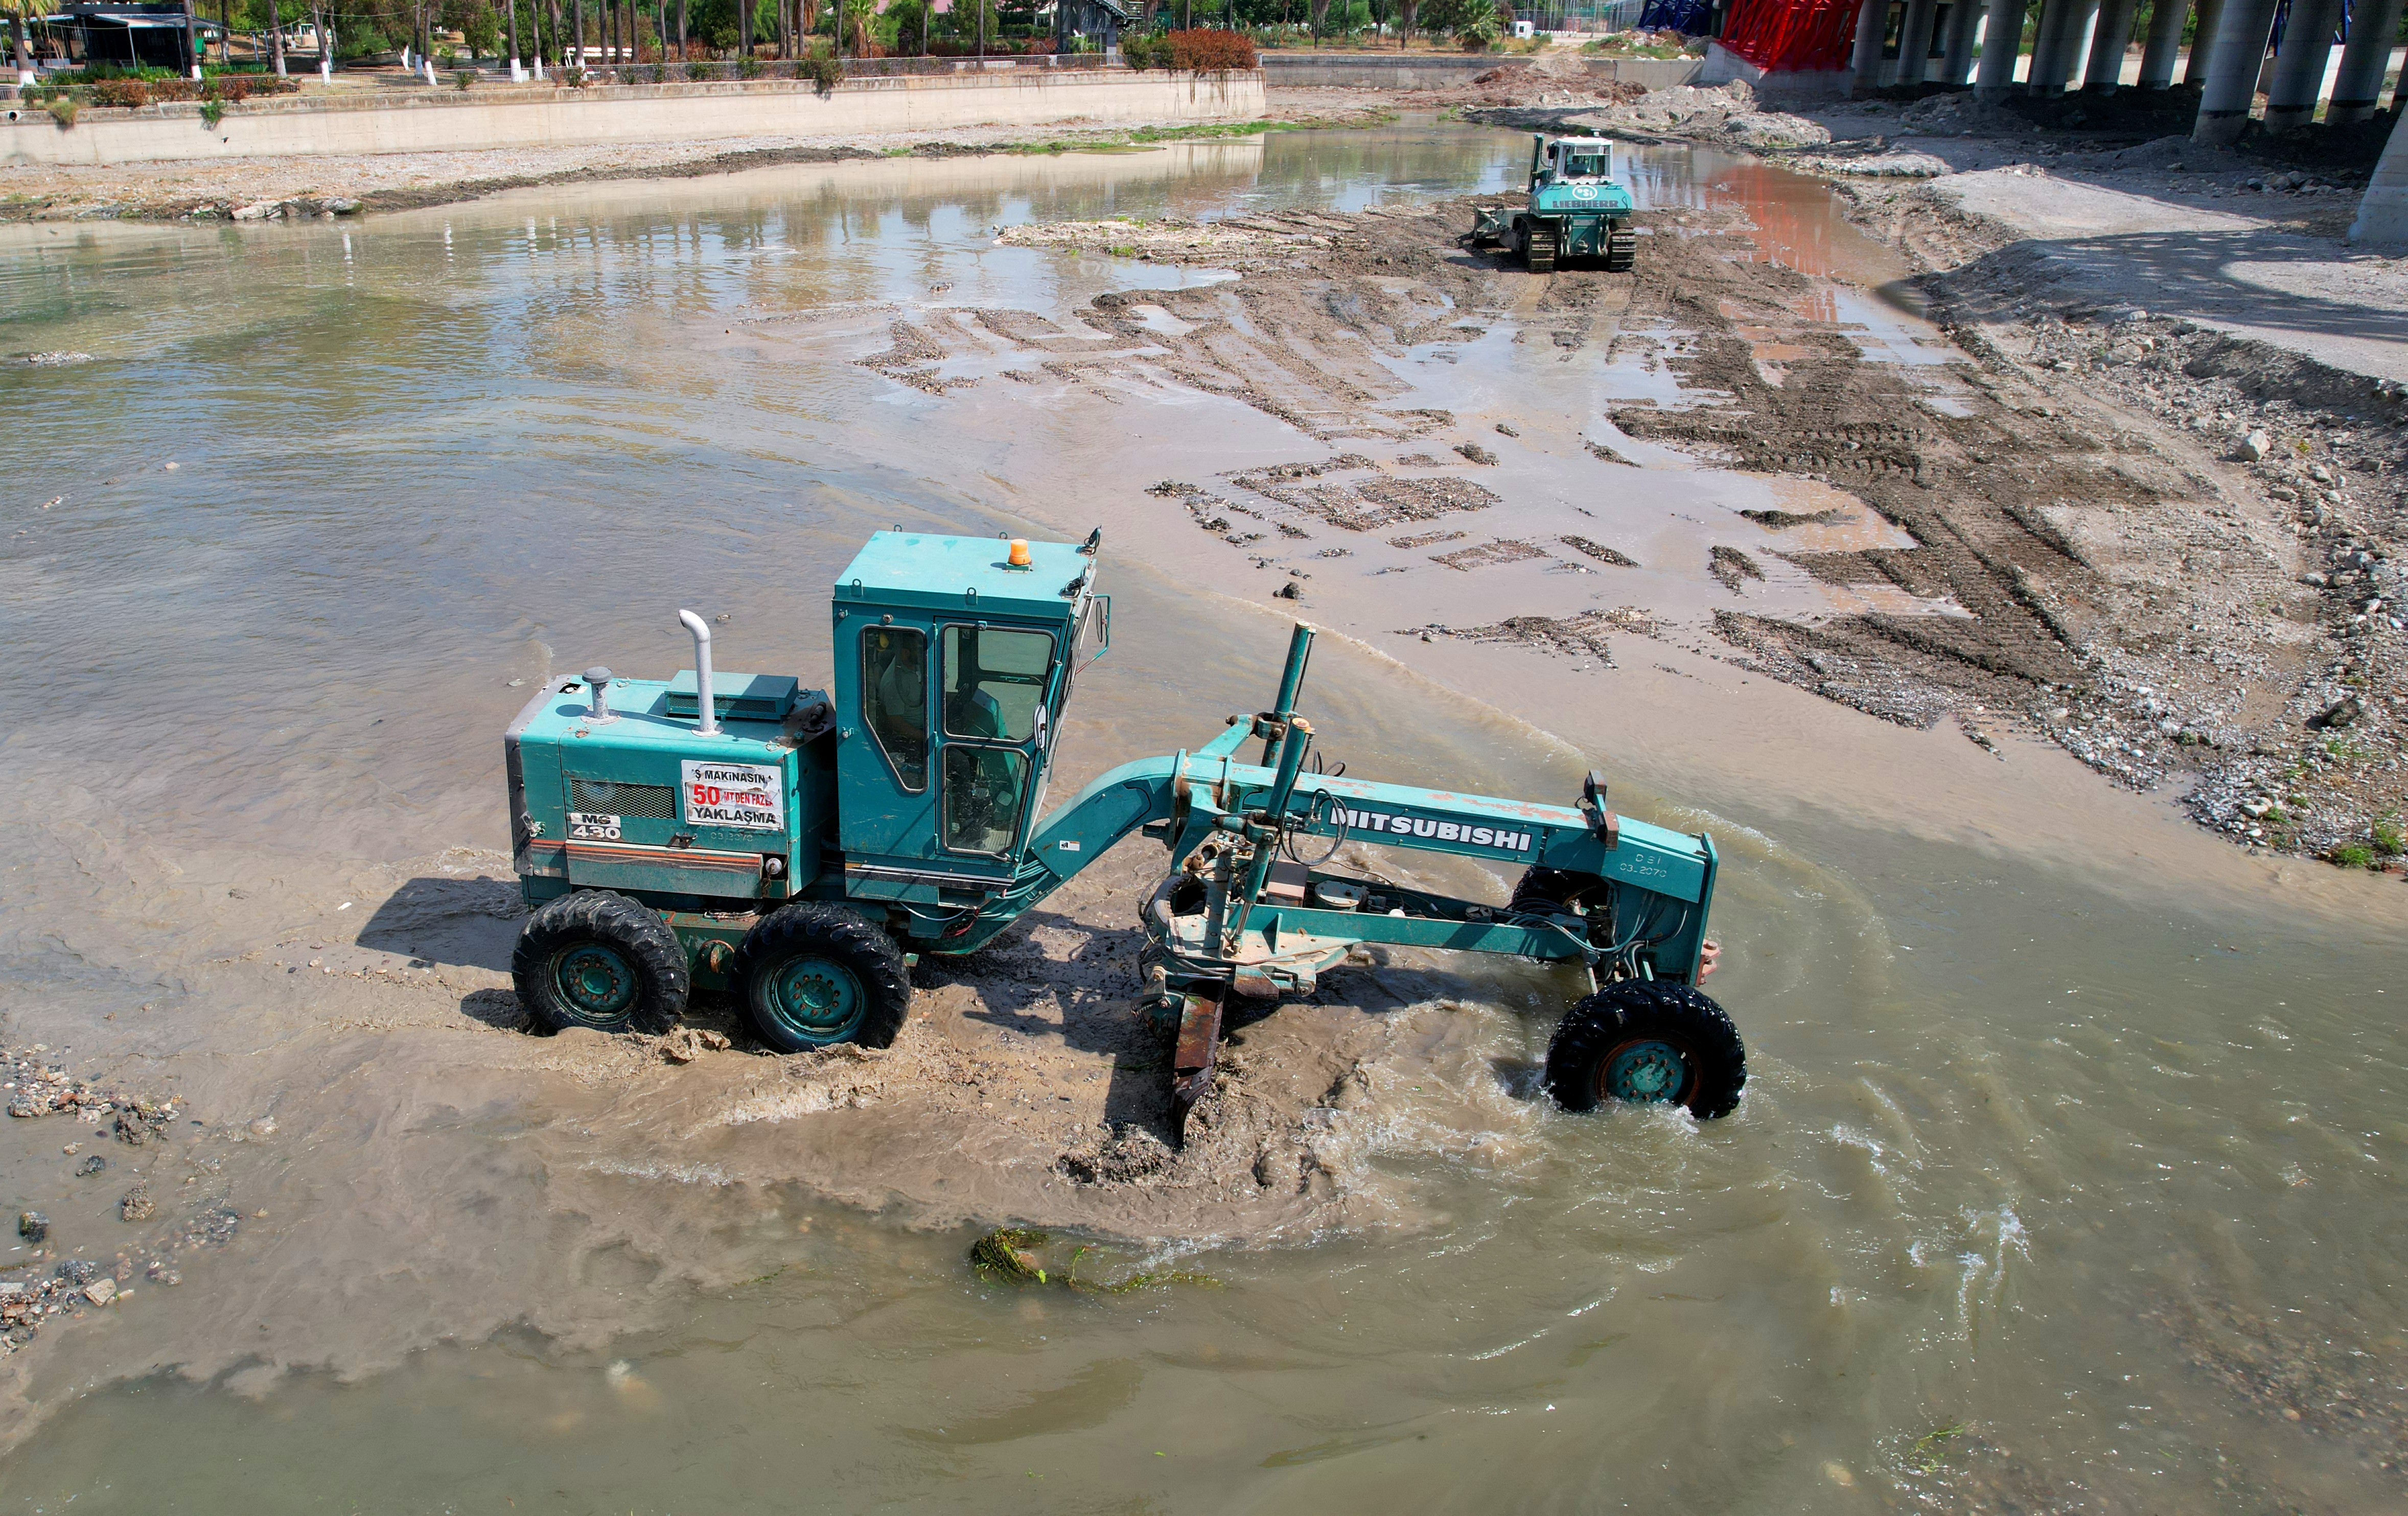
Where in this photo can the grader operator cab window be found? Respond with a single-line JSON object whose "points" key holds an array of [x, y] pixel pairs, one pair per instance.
{"points": [[992, 691], [995, 680], [895, 698]]}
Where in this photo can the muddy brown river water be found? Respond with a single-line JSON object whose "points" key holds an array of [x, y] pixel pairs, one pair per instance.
{"points": [[2068, 1177]]}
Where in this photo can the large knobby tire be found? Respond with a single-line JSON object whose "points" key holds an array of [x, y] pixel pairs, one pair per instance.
{"points": [[1648, 1040], [811, 975], [597, 960]]}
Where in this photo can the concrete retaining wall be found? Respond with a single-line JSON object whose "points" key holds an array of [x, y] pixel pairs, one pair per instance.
{"points": [[1445, 71], [542, 116]]}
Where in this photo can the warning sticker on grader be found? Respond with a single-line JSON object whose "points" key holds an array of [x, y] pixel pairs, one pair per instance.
{"points": [[752, 796]]}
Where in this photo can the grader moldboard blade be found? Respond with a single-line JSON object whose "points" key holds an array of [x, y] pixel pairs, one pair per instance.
{"points": [[792, 848]]}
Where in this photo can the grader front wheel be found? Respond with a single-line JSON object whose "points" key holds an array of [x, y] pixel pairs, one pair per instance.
{"points": [[1644, 1042]]}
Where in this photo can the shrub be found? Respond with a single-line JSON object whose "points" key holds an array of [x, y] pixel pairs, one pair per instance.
{"points": [[2388, 840], [212, 112], [464, 78], [573, 76], [121, 92], [749, 66], [1150, 49], [2351, 855], [63, 110], [823, 69], [1209, 51]]}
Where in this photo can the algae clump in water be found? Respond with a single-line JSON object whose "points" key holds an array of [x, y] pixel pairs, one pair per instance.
{"points": [[1004, 1254]]}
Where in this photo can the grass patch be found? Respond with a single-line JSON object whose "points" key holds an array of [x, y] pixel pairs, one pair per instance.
{"points": [[2351, 855]]}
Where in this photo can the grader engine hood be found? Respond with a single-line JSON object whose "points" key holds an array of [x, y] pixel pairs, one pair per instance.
{"points": [[623, 790]]}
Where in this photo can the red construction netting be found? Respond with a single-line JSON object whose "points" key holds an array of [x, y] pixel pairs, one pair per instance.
{"points": [[1790, 36]]}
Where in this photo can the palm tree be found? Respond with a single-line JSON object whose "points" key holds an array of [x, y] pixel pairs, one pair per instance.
{"points": [[860, 13]]}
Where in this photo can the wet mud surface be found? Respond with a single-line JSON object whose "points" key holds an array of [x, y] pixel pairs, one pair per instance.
{"points": [[2079, 562]]}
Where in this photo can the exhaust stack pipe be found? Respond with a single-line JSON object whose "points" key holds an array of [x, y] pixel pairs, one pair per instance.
{"points": [[709, 725]]}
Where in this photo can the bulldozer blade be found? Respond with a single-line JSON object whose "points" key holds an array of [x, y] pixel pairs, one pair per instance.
{"points": [[1199, 1037]]}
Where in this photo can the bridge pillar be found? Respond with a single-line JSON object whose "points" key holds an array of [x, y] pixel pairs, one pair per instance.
{"points": [[2300, 66], [2057, 47], [2165, 41], [2202, 42], [1964, 20], [2004, 39], [1872, 19], [2373, 26], [2382, 214], [1915, 41], [2106, 74], [2239, 51]]}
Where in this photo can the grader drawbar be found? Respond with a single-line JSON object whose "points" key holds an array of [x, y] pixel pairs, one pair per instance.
{"points": [[795, 849]]}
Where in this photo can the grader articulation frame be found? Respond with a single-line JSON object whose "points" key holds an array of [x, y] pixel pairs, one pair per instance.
{"points": [[795, 848]]}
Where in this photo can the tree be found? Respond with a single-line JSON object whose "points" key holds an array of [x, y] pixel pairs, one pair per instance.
{"points": [[911, 19], [859, 14]]}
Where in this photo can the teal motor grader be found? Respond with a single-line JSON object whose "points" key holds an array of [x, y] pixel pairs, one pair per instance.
{"points": [[797, 849], [1575, 209]]}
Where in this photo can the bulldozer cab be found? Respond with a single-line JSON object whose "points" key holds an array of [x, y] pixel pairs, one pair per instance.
{"points": [[1579, 159], [954, 659]]}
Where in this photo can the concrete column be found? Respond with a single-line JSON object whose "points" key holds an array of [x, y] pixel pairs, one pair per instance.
{"points": [[2299, 66], [2202, 41], [2239, 46], [2046, 26], [2165, 41], [2382, 214], [2374, 24], [1872, 19], [1964, 20], [1915, 41], [2107, 43], [2057, 51], [2002, 40]]}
